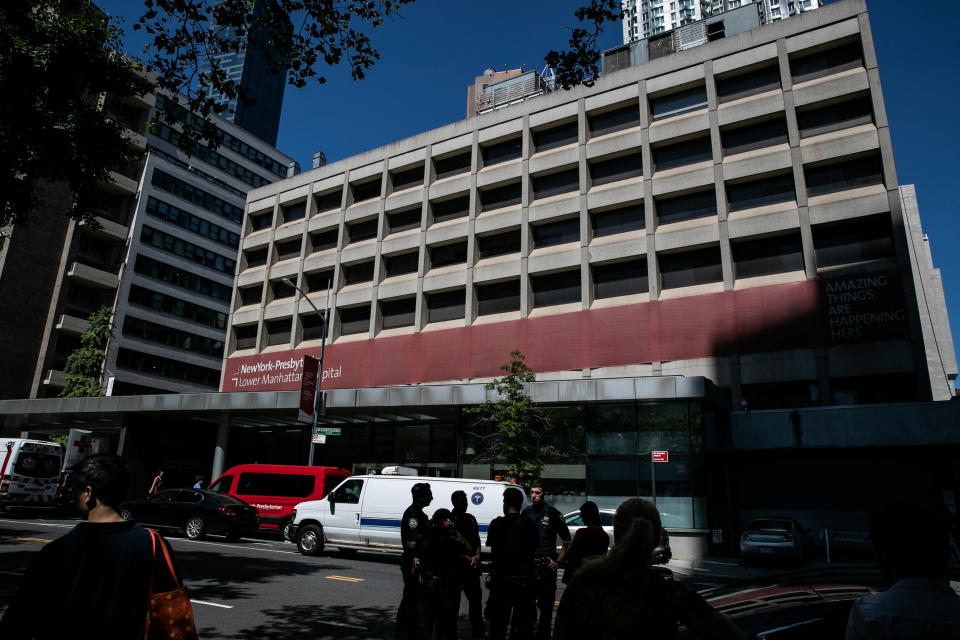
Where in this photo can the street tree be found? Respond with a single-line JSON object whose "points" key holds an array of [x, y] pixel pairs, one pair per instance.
{"points": [[85, 365], [58, 58], [509, 432]]}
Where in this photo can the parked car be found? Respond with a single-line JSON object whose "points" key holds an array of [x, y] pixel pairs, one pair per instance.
{"points": [[195, 512], [661, 554], [774, 537]]}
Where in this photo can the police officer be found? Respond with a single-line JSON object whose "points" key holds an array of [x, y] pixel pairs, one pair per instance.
{"points": [[468, 574], [413, 616], [550, 524], [513, 540]]}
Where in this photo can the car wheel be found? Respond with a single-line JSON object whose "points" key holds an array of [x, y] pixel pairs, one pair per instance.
{"points": [[125, 514], [310, 540], [286, 531], [194, 528]]}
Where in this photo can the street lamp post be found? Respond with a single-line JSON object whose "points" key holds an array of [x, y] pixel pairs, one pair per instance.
{"points": [[323, 345]]}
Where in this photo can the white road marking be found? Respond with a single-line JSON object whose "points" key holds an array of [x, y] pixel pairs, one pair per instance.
{"points": [[342, 624], [228, 546], [12, 573], [42, 524], [212, 604]]}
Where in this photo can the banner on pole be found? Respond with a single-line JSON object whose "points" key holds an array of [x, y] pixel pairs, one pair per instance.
{"points": [[308, 389]]}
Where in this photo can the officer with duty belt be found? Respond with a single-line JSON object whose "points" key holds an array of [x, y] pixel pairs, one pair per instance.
{"points": [[550, 524], [413, 616]]}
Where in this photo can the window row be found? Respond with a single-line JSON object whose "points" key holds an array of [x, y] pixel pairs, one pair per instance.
{"points": [[165, 181], [196, 224], [187, 250], [181, 278], [145, 330], [152, 365], [164, 303], [214, 159]]}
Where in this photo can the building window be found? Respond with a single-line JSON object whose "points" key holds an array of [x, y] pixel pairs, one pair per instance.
{"points": [[288, 249], [820, 118], [311, 326], [187, 250], [499, 244], [187, 220], [754, 135], [851, 174], [251, 295], [449, 305], [554, 137], [403, 263], [501, 151], [853, 241], [620, 279], [620, 220], [554, 233], [167, 368], [700, 204], [246, 336], [261, 221], [293, 212], [360, 231], [330, 201], [499, 297], [176, 307], [625, 117], [824, 63], [398, 313], [323, 240], [354, 320], [444, 210], [160, 334], [278, 331], [404, 220], [681, 153], [556, 288], [188, 192], [407, 178], [609, 170], [447, 254], [763, 256], [358, 273], [680, 102], [452, 165], [498, 197], [179, 278], [319, 280], [757, 193], [256, 257], [281, 289], [367, 190], [554, 184], [734, 87], [689, 268]]}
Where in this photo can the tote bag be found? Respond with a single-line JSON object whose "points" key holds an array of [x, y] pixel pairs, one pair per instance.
{"points": [[169, 614]]}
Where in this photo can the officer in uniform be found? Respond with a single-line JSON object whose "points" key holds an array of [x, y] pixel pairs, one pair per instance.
{"points": [[468, 575], [550, 524], [413, 615], [513, 540]]}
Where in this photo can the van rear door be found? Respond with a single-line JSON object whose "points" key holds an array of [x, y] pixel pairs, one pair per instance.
{"points": [[343, 522]]}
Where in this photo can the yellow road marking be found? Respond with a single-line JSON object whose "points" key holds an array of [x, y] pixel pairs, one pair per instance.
{"points": [[25, 539], [344, 578]]}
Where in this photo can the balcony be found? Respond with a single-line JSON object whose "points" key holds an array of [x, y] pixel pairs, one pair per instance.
{"points": [[108, 229], [54, 378], [120, 183], [92, 276], [71, 325]]}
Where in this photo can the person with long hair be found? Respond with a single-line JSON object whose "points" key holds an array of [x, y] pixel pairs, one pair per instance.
{"points": [[623, 595]]}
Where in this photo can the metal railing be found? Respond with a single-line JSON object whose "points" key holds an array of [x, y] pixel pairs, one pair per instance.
{"points": [[495, 97]]}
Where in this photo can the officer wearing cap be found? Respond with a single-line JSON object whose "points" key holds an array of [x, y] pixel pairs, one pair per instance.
{"points": [[550, 524], [413, 616]]}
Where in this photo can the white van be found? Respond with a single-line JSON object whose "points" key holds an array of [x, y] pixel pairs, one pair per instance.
{"points": [[29, 472], [364, 512]]}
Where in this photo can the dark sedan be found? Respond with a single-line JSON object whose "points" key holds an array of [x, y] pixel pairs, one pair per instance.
{"points": [[195, 512]]}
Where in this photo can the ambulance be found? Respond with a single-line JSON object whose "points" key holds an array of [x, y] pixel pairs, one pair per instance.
{"points": [[29, 472], [364, 512]]}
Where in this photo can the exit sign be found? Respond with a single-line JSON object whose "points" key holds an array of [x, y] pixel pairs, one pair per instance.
{"points": [[661, 456]]}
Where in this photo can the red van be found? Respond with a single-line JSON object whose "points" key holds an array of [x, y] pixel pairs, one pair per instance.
{"points": [[275, 489]]}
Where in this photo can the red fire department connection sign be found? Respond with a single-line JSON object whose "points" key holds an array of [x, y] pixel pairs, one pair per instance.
{"points": [[660, 456]]}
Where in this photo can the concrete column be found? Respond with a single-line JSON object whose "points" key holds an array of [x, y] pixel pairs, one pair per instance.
{"points": [[220, 451]]}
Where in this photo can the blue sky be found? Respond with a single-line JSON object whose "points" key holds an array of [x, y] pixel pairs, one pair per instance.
{"points": [[429, 56]]}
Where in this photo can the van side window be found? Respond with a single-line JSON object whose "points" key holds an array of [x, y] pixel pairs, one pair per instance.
{"points": [[280, 485], [330, 483], [223, 484], [348, 492]]}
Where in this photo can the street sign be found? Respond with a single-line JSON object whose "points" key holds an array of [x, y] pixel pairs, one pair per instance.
{"points": [[661, 456], [329, 431], [319, 438]]}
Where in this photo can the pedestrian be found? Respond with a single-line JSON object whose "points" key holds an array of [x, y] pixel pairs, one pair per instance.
{"points": [[468, 574], [199, 483], [912, 546], [550, 523], [591, 540], [622, 594], [513, 541], [95, 581], [157, 485], [413, 614], [443, 551]]}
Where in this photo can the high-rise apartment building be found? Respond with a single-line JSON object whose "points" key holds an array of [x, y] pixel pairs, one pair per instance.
{"points": [[645, 18], [250, 67]]}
